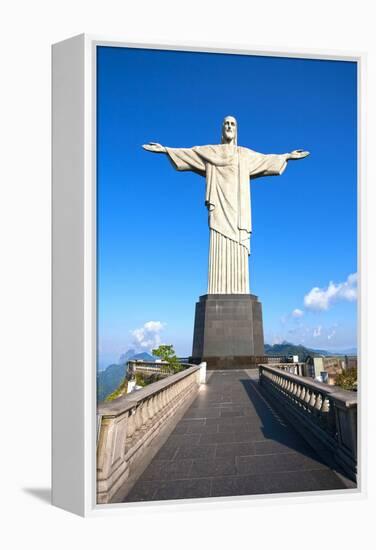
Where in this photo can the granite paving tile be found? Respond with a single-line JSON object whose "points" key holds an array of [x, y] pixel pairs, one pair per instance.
{"points": [[167, 452], [197, 421], [202, 429], [191, 488], [326, 480], [195, 451], [240, 427], [167, 469], [216, 438], [270, 446], [235, 449], [264, 484], [231, 412], [203, 413], [142, 491], [281, 462], [213, 467], [181, 428], [183, 439]]}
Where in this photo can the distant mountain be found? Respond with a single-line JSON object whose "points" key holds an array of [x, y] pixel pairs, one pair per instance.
{"points": [[111, 377], [348, 351], [143, 356], [286, 348], [108, 380], [126, 356]]}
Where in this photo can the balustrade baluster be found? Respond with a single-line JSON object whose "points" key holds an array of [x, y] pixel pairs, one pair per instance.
{"points": [[158, 402], [303, 393], [138, 417], [319, 402], [299, 391], [312, 401], [325, 414], [152, 407], [174, 391], [164, 398], [325, 405], [144, 413], [331, 420], [307, 397], [131, 427]]}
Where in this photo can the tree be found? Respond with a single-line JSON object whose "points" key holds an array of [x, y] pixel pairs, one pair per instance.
{"points": [[167, 353], [347, 379]]}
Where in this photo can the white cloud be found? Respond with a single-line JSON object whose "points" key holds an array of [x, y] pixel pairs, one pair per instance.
{"points": [[297, 313], [322, 298], [148, 336]]}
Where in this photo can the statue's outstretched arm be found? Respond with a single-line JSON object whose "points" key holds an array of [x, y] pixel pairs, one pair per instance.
{"points": [[297, 154], [154, 147], [272, 165], [183, 159]]}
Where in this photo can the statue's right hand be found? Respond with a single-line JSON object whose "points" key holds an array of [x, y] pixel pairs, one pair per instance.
{"points": [[154, 147]]}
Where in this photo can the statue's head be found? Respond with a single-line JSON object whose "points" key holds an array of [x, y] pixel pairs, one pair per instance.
{"points": [[230, 130]]}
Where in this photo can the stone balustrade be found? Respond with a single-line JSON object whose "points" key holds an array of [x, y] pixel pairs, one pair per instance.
{"points": [[326, 416], [293, 368], [151, 367], [128, 425], [160, 369]]}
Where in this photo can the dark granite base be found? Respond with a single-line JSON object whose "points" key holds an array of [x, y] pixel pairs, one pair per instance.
{"points": [[228, 331], [231, 362]]}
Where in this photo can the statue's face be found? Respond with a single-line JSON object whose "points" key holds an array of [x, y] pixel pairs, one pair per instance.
{"points": [[229, 129]]}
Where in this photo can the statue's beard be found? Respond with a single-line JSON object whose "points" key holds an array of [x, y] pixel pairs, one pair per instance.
{"points": [[229, 139]]}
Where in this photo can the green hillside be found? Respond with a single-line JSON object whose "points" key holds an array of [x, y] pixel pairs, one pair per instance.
{"points": [[109, 379], [286, 349]]}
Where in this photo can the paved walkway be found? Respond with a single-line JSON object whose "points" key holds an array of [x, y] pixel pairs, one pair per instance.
{"points": [[232, 442]]}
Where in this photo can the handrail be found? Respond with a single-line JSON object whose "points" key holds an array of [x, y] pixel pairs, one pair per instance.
{"points": [[128, 401], [130, 422], [147, 363], [325, 415], [161, 367], [292, 368], [349, 398]]}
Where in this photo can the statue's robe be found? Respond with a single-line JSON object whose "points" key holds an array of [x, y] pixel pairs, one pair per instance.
{"points": [[228, 170]]}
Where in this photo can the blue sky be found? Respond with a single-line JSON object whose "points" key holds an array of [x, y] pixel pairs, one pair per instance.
{"points": [[152, 222]]}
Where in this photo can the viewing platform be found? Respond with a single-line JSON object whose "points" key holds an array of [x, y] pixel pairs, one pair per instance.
{"points": [[237, 435]]}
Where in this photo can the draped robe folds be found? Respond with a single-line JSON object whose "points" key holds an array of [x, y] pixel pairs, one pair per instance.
{"points": [[228, 170]]}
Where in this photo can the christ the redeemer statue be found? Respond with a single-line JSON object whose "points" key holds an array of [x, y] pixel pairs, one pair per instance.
{"points": [[228, 169]]}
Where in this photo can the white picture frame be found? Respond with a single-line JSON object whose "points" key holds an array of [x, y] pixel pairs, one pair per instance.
{"points": [[74, 268]]}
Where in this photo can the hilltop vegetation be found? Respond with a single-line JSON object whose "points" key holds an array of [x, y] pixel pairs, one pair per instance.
{"points": [[109, 379], [286, 349]]}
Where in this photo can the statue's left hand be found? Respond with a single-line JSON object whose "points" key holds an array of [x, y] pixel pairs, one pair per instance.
{"points": [[154, 147], [298, 154]]}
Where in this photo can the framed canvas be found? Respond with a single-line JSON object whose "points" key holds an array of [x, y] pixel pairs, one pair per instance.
{"points": [[205, 349]]}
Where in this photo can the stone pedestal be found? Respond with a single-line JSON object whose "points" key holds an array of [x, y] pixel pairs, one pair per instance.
{"points": [[228, 331]]}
